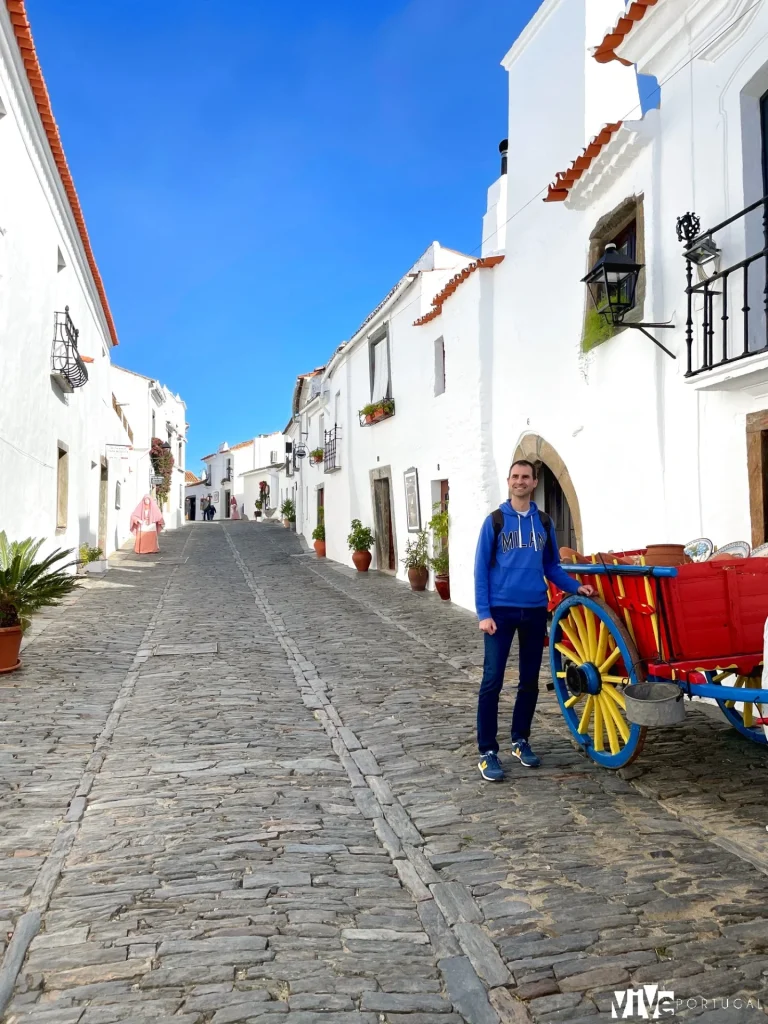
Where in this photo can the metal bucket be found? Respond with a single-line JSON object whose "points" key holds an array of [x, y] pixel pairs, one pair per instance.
{"points": [[654, 704]]}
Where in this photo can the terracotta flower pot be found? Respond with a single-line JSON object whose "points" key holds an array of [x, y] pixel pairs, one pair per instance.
{"points": [[362, 560], [418, 578], [287, 524], [666, 554], [319, 547], [378, 415], [10, 642], [443, 587]]}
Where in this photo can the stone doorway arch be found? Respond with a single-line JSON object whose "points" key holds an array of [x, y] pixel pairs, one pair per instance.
{"points": [[534, 448]]}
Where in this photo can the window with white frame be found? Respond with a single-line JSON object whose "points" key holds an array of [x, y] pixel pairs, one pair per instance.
{"points": [[381, 383]]}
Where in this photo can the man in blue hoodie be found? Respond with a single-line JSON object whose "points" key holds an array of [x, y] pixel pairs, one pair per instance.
{"points": [[514, 555]]}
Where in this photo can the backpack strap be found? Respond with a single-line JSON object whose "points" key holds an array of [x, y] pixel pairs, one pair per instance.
{"points": [[497, 518]]}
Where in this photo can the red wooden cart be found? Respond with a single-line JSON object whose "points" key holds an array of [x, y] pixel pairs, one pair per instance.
{"points": [[700, 626]]}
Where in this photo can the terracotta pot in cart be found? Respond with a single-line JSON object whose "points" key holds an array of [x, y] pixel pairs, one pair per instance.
{"points": [[666, 554], [10, 642], [319, 547], [362, 560], [443, 587], [418, 578]]}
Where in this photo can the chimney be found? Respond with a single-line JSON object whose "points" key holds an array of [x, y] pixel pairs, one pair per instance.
{"points": [[503, 146]]}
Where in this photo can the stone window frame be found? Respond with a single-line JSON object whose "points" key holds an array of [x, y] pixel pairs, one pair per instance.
{"points": [[607, 229], [62, 486]]}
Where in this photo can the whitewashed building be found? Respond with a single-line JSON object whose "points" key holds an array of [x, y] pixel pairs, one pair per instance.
{"points": [[486, 359], [269, 457], [223, 480], [149, 410], [61, 426]]}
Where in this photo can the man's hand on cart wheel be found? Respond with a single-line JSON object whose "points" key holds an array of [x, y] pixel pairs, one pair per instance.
{"points": [[587, 591], [487, 626]]}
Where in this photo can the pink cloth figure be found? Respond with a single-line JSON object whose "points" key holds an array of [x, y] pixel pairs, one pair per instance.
{"points": [[235, 514], [146, 524]]}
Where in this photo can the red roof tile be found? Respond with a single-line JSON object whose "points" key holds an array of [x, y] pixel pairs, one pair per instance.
{"points": [[606, 51], [243, 444], [453, 284], [190, 478], [565, 180], [21, 27]]}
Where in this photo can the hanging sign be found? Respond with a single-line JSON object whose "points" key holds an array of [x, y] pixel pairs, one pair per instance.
{"points": [[157, 480]]}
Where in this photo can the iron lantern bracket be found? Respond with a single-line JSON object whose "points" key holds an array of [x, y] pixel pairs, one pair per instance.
{"points": [[618, 322]]}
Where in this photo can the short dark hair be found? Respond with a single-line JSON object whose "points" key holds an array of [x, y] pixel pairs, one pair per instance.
{"points": [[523, 462]]}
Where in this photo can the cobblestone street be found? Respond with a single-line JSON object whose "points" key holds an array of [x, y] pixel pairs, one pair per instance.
{"points": [[239, 784]]}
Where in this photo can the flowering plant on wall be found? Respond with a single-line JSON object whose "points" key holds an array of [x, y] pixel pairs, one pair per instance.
{"points": [[264, 493], [162, 465]]}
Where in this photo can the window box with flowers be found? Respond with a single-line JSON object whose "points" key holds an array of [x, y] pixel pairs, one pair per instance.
{"points": [[316, 456], [377, 411]]}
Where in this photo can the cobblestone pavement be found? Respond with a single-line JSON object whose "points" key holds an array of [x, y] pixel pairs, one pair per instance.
{"points": [[290, 825]]}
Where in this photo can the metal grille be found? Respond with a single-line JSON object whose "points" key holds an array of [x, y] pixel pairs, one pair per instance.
{"points": [[66, 365], [727, 310], [331, 454]]}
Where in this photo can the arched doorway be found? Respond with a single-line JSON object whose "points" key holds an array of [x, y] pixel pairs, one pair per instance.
{"points": [[555, 494]]}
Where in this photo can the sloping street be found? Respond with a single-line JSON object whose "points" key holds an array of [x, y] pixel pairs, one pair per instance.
{"points": [[239, 784]]}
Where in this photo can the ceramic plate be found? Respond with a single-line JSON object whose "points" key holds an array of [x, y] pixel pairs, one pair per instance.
{"points": [[699, 550], [761, 551], [736, 549]]}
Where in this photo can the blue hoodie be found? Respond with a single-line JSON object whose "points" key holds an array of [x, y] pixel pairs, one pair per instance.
{"points": [[523, 559]]}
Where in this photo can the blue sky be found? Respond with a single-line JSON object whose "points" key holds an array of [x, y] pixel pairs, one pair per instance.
{"points": [[255, 176]]}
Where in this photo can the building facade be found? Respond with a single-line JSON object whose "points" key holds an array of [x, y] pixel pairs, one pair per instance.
{"points": [[63, 437]]}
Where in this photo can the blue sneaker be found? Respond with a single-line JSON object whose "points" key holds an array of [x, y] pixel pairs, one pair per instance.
{"points": [[490, 767], [521, 749]]}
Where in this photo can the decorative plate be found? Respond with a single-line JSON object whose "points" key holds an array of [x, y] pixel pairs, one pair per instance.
{"points": [[700, 549], [761, 551], [736, 549]]}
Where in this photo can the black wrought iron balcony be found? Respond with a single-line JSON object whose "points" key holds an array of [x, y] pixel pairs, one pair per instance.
{"points": [[67, 368], [227, 475], [331, 459], [727, 306]]}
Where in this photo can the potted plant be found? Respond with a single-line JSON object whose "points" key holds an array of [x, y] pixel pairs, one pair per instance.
{"points": [[91, 560], [316, 454], [26, 586], [438, 524], [416, 560], [288, 512], [318, 535], [258, 508], [368, 411], [360, 541]]}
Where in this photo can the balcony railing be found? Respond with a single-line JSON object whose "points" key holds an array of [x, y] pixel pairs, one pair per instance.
{"points": [[67, 368], [331, 454], [227, 475], [376, 412], [727, 308]]}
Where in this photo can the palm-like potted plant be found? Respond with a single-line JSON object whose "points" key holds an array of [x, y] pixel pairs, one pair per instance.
{"points": [[416, 560], [26, 586], [438, 524], [288, 512], [360, 541]]}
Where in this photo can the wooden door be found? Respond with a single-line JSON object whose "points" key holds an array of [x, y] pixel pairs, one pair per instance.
{"points": [[556, 507], [386, 556]]}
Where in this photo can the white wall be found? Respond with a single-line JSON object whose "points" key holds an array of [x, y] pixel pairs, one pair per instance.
{"points": [[36, 225]]}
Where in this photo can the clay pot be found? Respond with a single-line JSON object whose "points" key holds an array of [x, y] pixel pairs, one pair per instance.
{"points": [[666, 554], [10, 642], [418, 578], [287, 524], [319, 547], [362, 560], [443, 587]]}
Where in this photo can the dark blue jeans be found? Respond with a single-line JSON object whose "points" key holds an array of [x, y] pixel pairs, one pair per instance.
{"points": [[531, 627]]}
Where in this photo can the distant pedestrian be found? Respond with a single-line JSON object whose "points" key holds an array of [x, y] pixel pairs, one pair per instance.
{"points": [[516, 554], [210, 511], [204, 507]]}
